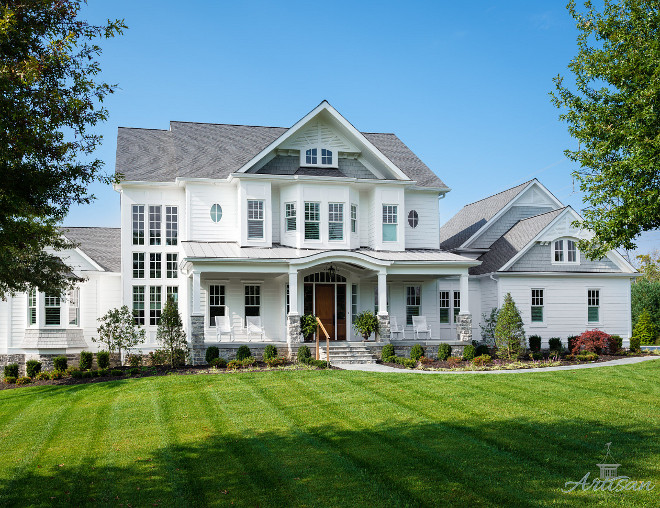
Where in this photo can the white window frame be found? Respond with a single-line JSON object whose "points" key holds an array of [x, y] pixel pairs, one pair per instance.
{"points": [[564, 252], [255, 216], [155, 265], [52, 302], [413, 219], [216, 213], [354, 219], [334, 157], [137, 224], [390, 212], [456, 302], [171, 225], [172, 292], [316, 221], [407, 305], [290, 217], [217, 300], [32, 299], [138, 265], [537, 300], [257, 296], [590, 301], [73, 297], [171, 265], [444, 304], [155, 311], [139, 316], [155, 224], [335, 216]]}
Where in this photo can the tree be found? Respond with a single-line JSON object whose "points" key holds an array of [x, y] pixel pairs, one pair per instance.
{"points": [[488, 326], [170, 333], [649, 266], [118, 330], [613, 113], [509, 330], [51, 98], [645, 331]]}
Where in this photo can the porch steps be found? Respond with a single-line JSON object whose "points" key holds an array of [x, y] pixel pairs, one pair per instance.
{"points": [[343, 353]]}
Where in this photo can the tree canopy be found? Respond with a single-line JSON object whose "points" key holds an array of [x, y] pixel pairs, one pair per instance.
{"points": [[612, 111], [118, 330], [51, 98]]}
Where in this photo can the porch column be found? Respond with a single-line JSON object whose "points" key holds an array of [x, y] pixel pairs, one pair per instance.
{"points": [[383, 316], [293, 318], [197, 322], [464, 325]]}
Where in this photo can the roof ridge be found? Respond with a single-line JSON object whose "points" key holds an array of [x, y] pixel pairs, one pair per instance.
{"points": [[501, 192], [544, 213], [231, 124], [143, 129], [89, 227]]}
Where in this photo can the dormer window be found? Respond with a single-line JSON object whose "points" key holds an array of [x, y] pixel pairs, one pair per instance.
{"points": [[322, 157], [564, 251]]}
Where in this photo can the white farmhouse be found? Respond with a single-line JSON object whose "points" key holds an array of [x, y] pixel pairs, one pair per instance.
{"points": [[247, 228]]}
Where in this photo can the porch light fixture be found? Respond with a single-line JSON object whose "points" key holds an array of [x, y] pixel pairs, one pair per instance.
{"points": [[331, 270]]}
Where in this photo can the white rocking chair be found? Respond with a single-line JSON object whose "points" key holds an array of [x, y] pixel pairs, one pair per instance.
{"points": [[395, 328], [223, 327], [254, 326], [420, 326]]}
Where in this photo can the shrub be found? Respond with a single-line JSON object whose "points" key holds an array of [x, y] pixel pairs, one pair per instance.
{"points": [[234, 364], [488, 326], [86, 374], [116, 372], [308, 325], [32, 367], [645, 330], [555, 344], [103, 359], [409, 363], [570, 342], [587, 356], [365, 324], [243, 352], [11, 380], [75, 373], [57, 374], [104, 372], [43, 376], [321, 364], [444, 352], [218, 363], [591, 340], [212, 352], [86, 359], [95, 373], [481, 360], [534, 342], [425, 360], [25, 380], [615, 343], [270, 351], [482, 349], [536, 355], [416, 352], [469, 352], [453, 361], [135, 360], [387, 353], [304, 354], [171, 336], [134, 371], [509, 330], [274, 362], [249, 361], [11, 370], [634, 343]]}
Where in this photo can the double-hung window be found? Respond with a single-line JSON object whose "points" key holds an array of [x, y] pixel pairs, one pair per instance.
{"points": [[74, 306], [154, 265], [52, 309], [155, 304], [413, 302], [173, 295], [216, 302], [312, 221], [138, 265], [252, 301], [336, 221], [290, 216], [154, 224], [559, 251], [537, 305], [138, 224], [354, 302], [593, 305], [171, 225], [171, 268], [457, 305], [444, 306], [390, 222], [32, 307], [564, 251], [255, 219], [138, 305], [353, 218], [571, 251]]}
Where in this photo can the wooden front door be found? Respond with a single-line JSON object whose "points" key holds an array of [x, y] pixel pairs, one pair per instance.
{"points": [[325, 308]]}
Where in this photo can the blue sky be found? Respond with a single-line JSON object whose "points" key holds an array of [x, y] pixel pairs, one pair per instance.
{"points": [[464, 84]]}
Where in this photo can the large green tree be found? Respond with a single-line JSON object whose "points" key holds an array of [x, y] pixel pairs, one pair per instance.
{"points": [[612, 111], [51, 97]]}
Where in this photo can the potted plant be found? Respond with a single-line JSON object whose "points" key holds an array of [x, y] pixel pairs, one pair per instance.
{"points": [[308, 326], [365, 324]]}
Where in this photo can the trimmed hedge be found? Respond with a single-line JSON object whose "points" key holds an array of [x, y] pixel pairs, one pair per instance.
{"points": [[212, 352], [11, 370], [243, 352], [444, 352], [103, 359], [469, 352], [86, 359], [416, 352], [60, 363], [535, 343], [555, 344], [387, 353], [270, 351], [32, 368], [304, 354]]}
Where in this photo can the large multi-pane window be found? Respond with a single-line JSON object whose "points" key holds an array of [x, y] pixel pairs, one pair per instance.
{"points": [[252, 301], [413, 302], [336, 221], [312, 221], [138, 305], [138, 224], [444, 306], [154, 224], [173, 295], [32, 307], [390, 222], [138, 265], [74, 306], [311, 156], [255, 218], [216, 302], [171, 268], [171, 225], [290, 216], [593, 305], [537, 305], [457, 305], [52, 309], [155, 259], [155, 304], [326, 156], [353, 218]]}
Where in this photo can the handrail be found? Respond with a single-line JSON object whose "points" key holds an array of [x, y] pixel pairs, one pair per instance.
{"points": [[327, 342]]}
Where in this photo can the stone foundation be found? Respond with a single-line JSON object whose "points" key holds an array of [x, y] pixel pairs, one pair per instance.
{"points": [[383, 327], [293, 328], [228, 351], [197, 347], [430, 350], [73, 360], [464, 328]]}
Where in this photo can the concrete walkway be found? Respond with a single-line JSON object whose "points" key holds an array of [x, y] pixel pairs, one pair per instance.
{"points": [[375, 367]]}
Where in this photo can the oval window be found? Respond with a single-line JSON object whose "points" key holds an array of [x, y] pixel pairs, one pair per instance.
{"points": [[413, 218], [216, 213]]}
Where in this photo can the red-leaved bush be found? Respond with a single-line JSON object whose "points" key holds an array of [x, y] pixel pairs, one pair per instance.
{"points": [[592, 340]]}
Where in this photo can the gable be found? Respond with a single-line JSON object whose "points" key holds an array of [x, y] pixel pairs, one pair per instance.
{"points": [[538, 258], [319, 133]]}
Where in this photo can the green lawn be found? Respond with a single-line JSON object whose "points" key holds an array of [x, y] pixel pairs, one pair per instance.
{"points": [[333, 438]]}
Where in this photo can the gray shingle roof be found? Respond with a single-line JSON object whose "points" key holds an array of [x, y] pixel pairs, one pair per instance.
{"points": [[471, 218], [103, 245], [512, 242], [204, 150]]}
